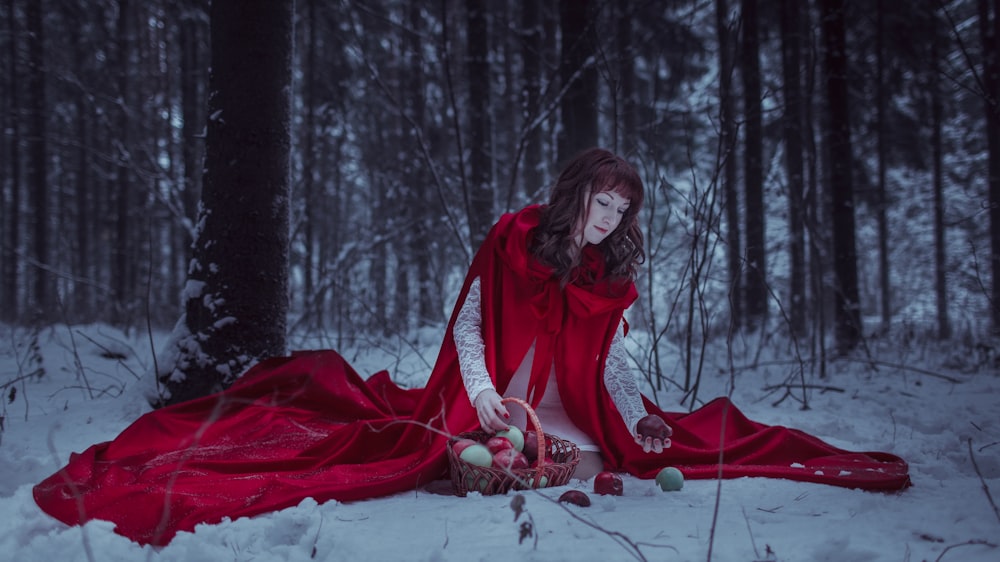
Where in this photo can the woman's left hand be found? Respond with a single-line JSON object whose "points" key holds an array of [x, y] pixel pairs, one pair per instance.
{"points": [[653, 434]]}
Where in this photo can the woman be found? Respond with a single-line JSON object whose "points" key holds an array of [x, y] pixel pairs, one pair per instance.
{"points": [[540, 315], [587, 237]]}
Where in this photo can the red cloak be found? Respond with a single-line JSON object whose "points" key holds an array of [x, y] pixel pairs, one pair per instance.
{"points": [[309, 426]]}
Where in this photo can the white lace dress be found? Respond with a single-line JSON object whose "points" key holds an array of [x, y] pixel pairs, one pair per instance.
{"points": [[618, 378]]}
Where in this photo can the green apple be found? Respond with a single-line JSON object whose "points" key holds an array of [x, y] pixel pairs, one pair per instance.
{"points": [[670, 479], [515, 435], [477, 454]]}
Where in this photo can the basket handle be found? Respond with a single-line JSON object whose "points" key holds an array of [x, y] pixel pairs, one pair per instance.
{"points": [[539, 432]]}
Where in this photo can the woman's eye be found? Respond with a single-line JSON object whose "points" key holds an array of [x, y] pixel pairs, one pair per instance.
{"points": [[603, 203]]}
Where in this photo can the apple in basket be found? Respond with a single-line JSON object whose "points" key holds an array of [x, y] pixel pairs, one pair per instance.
{"points": [[548, 460], [515, 435], [477, 454], [608, 484], [509, 459], [461, 444], [496, 444], [530, 449]]}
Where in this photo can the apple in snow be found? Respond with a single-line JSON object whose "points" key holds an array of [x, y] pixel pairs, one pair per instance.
{"points": [[509, 459], [608, 484], [477, 454], [515, 435], [496, 444], [670, 479], [575, 497]]}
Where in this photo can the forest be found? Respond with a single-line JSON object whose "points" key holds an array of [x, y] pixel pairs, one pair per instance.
{"points": [[818, 173]]}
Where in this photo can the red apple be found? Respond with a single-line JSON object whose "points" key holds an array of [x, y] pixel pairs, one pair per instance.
{"points": [[575, 497], [653, 426], [608, 484], [548, 460], [497, 444], [461, 444], [510, 459], [530, 445]]}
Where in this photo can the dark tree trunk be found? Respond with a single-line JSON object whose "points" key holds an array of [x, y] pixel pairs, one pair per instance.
{"points": [[12, 215], [429, 310], [847, 313], [578, 108], [626, 131], [756, 270], [311, 193], [791, 58], [937, 151], [989, 28], [480, 197], [993, 125], [531, 55], [882, 140], [192, 78], [82, 258], [120, 262], [37, 163], [727, 155], [236, 298]]}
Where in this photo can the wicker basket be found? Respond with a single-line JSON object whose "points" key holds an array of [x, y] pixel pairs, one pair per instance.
{"points": [[467, 477]]}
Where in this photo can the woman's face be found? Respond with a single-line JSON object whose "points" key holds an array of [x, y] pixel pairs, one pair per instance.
{"points": [[603, 217]]}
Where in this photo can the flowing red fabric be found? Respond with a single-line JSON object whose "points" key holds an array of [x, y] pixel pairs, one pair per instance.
{"points": [[308, 425]]}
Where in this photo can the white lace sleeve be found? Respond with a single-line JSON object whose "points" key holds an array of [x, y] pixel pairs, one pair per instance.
{"points": [[468, 333], [621, 384]]}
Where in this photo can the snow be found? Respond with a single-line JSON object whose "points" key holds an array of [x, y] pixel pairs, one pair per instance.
{"points": [[946, 430]]}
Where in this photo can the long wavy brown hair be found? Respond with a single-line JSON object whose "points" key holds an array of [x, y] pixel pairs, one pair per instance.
{"points": [[593, 171]]}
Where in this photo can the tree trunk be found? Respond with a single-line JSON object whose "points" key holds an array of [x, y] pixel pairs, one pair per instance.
{"points": [[310, 192], [989, 29], [756, 270], [882, 141], [847, 314], [82, 251], [531, 55], [429, 311], [38, 165], [236, 298], [192, 69], [791, 51], [480, 197], [578, 107], [12, 215], [120, 244], [727, 155], [814, 216], [937, 151]]}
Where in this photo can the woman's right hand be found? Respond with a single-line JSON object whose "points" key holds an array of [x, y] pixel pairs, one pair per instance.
{"points": [[492, 413]]}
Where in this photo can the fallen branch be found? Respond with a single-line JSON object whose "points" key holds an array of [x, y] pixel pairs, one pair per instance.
{"points": [[986, 488], [971, 542], [871, 362], [789, 387]]}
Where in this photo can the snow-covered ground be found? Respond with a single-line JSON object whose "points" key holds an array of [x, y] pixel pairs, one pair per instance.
{"points": [[944, 429]]}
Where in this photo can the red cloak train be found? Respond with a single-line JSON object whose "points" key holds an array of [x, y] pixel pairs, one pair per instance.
{"points": [[309, 426]]}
